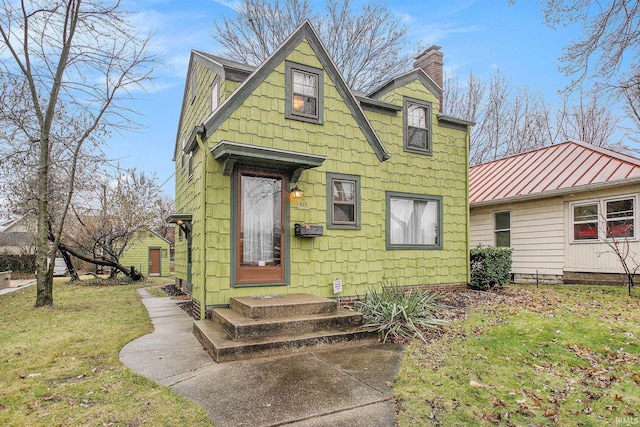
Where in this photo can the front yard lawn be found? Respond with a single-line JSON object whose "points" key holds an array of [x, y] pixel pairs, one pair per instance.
{"points": [[60, 367], [557, 355]]}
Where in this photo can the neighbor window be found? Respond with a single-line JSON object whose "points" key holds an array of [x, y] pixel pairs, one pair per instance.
{"points": [[343, 201], [616, 217], [502, 227], [413, 221], [417, 131], [215, 94], [585, 222], [620, 216], [304, 92]]}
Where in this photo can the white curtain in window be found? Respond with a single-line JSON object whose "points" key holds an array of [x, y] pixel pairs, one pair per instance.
{"points": [[414, 222], [260, 217]]}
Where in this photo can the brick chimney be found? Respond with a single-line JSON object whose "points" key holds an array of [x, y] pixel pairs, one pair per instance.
{"points": [[431, 61]]}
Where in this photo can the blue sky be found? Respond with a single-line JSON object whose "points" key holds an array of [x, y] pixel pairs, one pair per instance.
{"points": [[475, 35]]}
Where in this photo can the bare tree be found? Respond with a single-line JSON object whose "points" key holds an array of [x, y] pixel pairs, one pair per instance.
{"points": [[366, 47], [107, 219], [77, 61], [587, 120], [511, 120], [607, 55]]}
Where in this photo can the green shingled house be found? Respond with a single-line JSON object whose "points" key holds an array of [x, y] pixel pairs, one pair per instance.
{"points": [[149, 253], [287, 180]]}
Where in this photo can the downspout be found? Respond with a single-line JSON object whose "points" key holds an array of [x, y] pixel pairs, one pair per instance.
{"points": [[203, 204]]}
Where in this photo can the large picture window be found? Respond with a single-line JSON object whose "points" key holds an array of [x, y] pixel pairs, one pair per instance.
{"points": [[414, 221], [343, 201], [604, 219], [304, 92], [417, 129]]}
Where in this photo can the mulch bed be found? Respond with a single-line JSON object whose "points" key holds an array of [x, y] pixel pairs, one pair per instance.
{"points": [[172, 291]]}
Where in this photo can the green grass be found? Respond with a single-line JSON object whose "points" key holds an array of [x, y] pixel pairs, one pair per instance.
{"points": [[60, 366], [554, 356]]}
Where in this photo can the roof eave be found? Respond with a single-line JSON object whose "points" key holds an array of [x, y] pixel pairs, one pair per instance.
{"points": [[556, 193]]}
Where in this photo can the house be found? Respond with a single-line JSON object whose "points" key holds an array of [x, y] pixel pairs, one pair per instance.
{"points": [[288, 182], [557, 207], [148, 252], [18, 236]]}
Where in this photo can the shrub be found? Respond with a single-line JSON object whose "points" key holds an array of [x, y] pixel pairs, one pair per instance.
{"points": [[490, 267], [18, 263], [399, 313]]}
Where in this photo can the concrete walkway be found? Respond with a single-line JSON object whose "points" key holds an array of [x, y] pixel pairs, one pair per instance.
{"points": [[343, 385], [17, 284]]}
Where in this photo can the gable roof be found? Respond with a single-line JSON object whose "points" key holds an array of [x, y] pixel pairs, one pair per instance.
{"points": [[304, 32], [403, 79], [550, 171]]}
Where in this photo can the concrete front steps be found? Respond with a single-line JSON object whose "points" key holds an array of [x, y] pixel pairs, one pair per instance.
{"points": [[264, 326]]}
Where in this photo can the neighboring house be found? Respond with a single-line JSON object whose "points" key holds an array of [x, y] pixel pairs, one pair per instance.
{"points": [[18, 236], [557, 207], [149, 253], [379, 179]]}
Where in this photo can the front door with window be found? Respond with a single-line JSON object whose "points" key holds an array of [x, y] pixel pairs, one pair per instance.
{"points": [[260, 230]]}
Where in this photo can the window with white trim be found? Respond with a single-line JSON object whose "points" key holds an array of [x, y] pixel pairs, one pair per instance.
{"points": [[604, 219], [502, 228], [620, 218]]}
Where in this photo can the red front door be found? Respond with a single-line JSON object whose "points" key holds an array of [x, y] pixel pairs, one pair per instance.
{"points": [[154, 262]]}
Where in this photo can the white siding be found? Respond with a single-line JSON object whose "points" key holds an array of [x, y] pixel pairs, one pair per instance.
{"points": [[537, 236], [598, 257]]}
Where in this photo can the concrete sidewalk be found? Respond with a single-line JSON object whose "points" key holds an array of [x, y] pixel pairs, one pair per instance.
{"points": [[17, 284], [348, 385]]}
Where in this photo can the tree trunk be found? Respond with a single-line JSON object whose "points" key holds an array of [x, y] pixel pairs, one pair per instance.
{"points": [[44, 272], [70, 268], [129, 272]]}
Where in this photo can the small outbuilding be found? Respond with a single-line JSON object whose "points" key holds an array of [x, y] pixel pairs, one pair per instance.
{"points": [[149, 253]]}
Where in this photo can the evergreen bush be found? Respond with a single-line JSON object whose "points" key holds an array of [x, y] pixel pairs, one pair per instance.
{"points": [[490, 267]]}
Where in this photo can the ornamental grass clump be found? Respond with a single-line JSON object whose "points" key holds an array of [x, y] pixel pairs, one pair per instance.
{"points": [[400, 313]]}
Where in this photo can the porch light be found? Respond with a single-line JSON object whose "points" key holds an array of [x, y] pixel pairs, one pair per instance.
{"points": [[185, 227], [296, 193]]}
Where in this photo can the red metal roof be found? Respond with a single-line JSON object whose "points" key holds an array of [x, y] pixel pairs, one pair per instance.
{"points": [[558, 167]]}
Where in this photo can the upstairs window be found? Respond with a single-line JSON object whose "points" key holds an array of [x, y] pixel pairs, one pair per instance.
{"points": [[502, 227], [192, 83], [417, 130], [215, 94], [182, 153], [343, 201], [304, 93]]}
